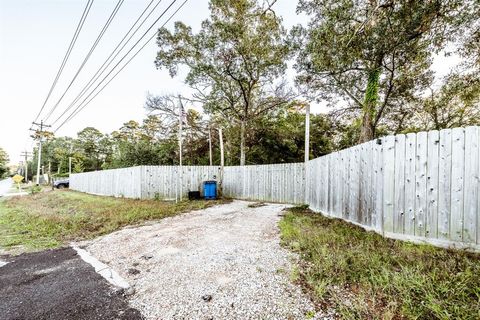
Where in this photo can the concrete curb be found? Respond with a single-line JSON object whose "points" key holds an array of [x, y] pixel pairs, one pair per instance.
{"points": [[101, 268], [15, 194]]}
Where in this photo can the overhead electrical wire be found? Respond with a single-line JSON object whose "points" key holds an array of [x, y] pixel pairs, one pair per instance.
{"points": [[80, 23], [99, 37], [81, 106], [112, 56]]}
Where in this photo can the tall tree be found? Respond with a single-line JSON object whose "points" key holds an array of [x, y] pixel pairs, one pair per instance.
{"points": [[89, 143], [373, 54], [234, 61], [3, 163]]}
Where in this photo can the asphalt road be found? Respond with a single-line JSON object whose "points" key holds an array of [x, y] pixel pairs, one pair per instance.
{"points": [[57, 284], [5, 186]]}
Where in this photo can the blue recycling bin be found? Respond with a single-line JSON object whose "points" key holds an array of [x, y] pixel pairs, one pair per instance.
{"points": [[210, 190]]}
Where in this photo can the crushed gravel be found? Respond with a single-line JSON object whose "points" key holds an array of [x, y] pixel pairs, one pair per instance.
{"points": [[224, 262]]}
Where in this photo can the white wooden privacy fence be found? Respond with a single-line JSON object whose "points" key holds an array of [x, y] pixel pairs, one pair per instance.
{"points": [[164, 182], [422, 186]]}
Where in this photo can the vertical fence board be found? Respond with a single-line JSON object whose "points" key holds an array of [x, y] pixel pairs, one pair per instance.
{"points": [[399, 205], [471, 184], [458, 172], [433, 151], [388, 183], [410, 153], [445, 184], [421, 184]]}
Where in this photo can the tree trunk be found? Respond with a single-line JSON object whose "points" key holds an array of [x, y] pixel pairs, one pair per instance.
{"points": [[367, 130], [242, 143]]}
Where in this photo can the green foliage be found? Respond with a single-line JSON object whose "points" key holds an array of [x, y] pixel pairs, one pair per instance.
{"points": [[78, 166], [454, 104], [347, 42], [3, 163], [363, 275], [35, 189], [233, 61]]}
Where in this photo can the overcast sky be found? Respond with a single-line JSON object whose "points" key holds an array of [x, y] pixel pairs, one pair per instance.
{"points": [[34, 35]]}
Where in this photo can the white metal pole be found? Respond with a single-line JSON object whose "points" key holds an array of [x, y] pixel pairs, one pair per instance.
{"points": [[180, 138], [307, 133], [307, 152], [222, 159], [222, 162], [210, 145], [70, 160]]}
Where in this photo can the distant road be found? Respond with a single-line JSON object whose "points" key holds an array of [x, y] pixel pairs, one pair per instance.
{"points": [[5, 186]]}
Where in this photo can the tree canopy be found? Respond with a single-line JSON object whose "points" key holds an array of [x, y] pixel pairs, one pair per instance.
{"points": [[234, 61], [375, 56]]}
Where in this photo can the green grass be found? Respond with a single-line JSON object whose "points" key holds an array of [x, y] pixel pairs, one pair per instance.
{"points": [[52, 219], [365, 276]]}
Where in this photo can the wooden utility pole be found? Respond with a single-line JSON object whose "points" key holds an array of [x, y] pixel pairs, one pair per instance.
{"points": [[26, 154], [41, 126]]}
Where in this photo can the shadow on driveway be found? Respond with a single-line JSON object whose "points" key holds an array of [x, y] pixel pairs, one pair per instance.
{"points": [[57, 284]]}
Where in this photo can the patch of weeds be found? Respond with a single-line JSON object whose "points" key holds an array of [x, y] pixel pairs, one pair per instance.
{"points": [[299, 208], [365, 276], [281, 271], [310, 314], [256, 205], [295, 274], [35, 189], [51, 219]]}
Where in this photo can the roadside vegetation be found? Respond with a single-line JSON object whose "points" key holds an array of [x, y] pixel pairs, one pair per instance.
{"points": [[365, 276], [52, 219]]}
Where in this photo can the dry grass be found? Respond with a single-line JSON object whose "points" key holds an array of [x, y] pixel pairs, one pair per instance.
{"points": [[365, 276], [51, 219]]}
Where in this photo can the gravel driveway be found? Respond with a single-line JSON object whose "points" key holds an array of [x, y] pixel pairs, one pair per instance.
{"points": [[224, 262]]}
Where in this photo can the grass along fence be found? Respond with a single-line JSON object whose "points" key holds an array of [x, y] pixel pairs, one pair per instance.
{"points": [[422, 186]]}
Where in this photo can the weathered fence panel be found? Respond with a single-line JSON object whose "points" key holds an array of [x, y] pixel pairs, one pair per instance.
{"points": [[124, 182], [276, 182], [164, 182], [415, 186]]}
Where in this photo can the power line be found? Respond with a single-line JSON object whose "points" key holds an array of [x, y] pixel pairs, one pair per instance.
{"points": [[80, 107], [105, 65], [99, 37], [80, 23], [104, 78]]}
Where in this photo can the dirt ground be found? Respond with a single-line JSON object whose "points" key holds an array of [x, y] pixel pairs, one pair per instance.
{"points": [[57, 284], [223, 262]]}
